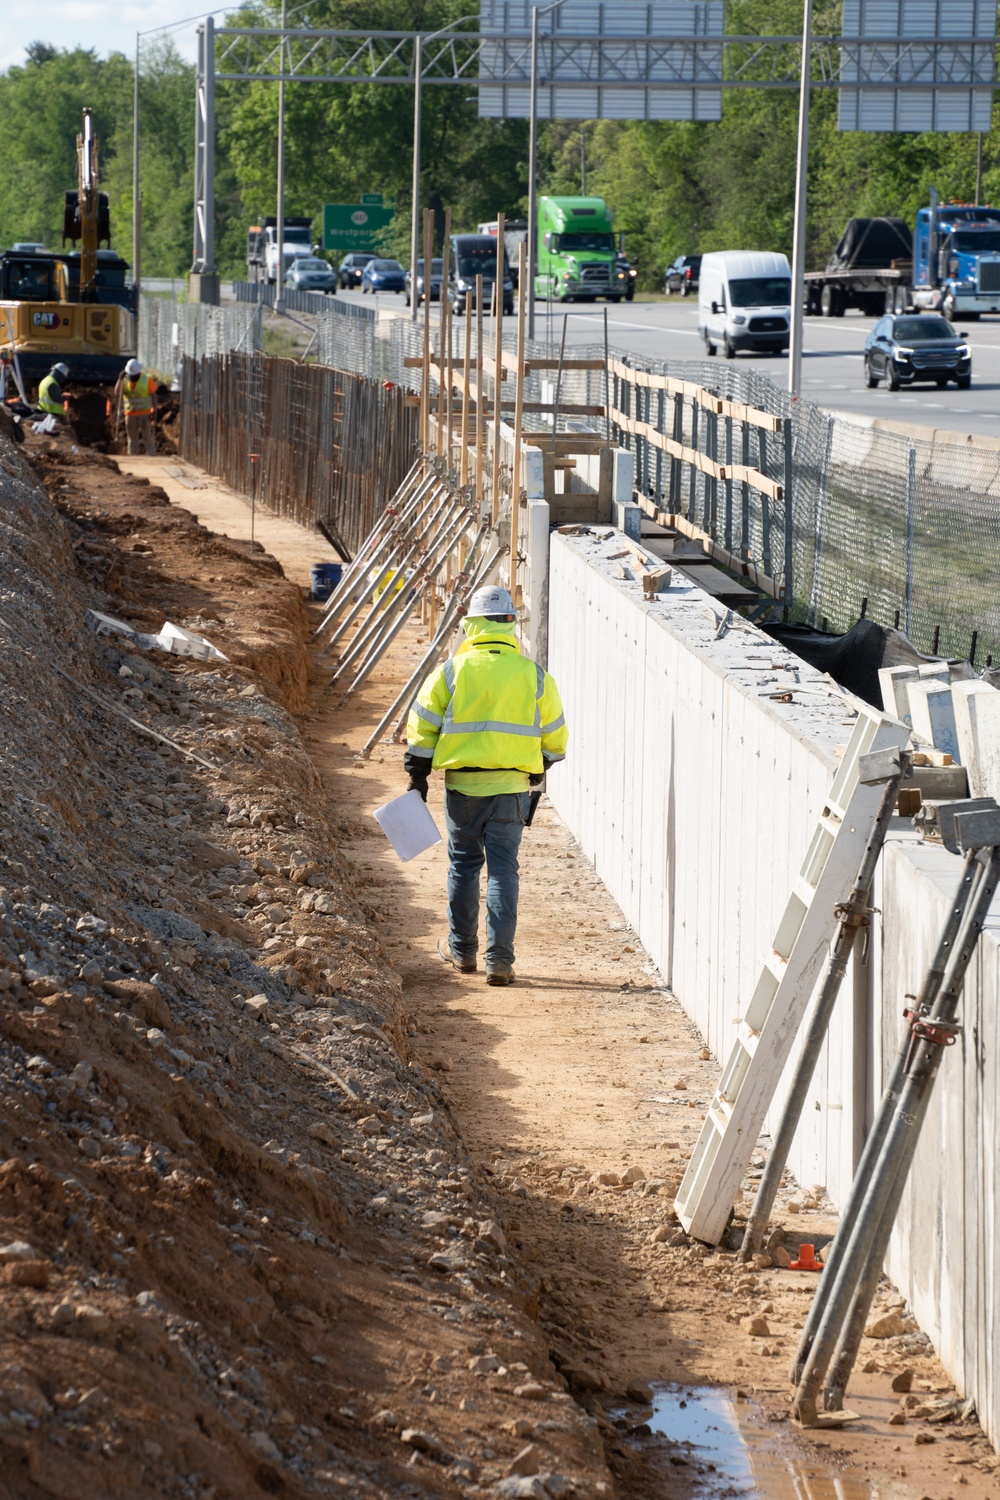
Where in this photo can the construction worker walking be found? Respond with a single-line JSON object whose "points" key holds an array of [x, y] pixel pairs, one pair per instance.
{"points": [[50, 391], [491, 719], [135, 391]]}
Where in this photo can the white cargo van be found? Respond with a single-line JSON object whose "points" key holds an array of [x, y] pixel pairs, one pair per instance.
{"points": [[744, 299]]}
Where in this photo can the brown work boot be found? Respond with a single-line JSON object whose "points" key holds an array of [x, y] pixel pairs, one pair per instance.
{"points": [[463, 965], [499, 976]]}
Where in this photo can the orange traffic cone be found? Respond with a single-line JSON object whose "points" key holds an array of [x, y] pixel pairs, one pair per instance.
{"points": [[807, 1260]]}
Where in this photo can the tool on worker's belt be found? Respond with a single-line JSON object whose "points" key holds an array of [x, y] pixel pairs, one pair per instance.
{"points": [[834, 1328], [533, 800]]}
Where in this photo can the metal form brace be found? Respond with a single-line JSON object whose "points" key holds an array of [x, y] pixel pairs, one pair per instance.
{"points": [[888, 767], [835, 1325]]}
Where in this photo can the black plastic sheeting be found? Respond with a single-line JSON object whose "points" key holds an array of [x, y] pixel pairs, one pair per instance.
{"points": [[872, 244], [853, 659]]}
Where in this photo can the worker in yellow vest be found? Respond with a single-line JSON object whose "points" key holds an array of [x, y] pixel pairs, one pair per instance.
{"points": [[50, 391], [135, 391], [491, 720]]}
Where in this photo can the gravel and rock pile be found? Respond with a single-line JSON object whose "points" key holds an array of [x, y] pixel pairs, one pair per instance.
{"points": [[242, 1249]]}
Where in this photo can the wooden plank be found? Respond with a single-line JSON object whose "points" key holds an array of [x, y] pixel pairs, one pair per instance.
{"points": [[762, 483], [655, 580], [757, 481], [705, 398], [713, 581], [564, 408], [728, 560], [490, 368], [583, 441], [567, 364]]}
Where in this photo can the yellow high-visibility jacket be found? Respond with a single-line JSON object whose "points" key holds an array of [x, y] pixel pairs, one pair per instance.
{"points": [[50, 396], [490, 709], [137, 395]]}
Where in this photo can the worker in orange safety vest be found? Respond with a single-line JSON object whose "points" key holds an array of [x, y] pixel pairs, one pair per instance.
{"points": [[135, 391]]}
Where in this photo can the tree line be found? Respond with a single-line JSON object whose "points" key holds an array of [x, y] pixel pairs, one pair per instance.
{"points": [[674, 187]]}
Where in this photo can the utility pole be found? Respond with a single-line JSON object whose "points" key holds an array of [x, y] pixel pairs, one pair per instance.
{"points": [[418, 69], [979, 167], [136, 205], [533, 173], [536, 11], [279, 300], [801, 197], [418, 63], [583, 165]]}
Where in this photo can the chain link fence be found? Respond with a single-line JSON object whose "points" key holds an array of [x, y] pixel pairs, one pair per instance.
{"points": [[345, 334], [905, 530], [901, 528], [170, 332]]}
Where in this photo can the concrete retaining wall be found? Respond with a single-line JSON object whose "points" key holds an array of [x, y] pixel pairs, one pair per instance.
{"points": [[694, 794]]}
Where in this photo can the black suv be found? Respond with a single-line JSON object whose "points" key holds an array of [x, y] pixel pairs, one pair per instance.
{"points": [[683, 275], [923, 346], [352, 268]]}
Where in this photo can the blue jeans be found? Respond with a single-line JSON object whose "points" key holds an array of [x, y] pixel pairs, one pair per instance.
{"points": [[484, 829]]}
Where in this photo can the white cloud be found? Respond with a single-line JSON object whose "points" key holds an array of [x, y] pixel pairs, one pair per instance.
{"points": [[101, 24]]}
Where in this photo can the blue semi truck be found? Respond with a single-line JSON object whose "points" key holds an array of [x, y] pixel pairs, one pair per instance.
{"points": [[950, 263]]}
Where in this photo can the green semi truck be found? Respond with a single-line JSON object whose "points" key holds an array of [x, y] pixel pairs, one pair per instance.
{"points": [[576, 252]]}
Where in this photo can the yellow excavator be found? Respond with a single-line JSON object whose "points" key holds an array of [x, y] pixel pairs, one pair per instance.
{"points": [[72, 307]]}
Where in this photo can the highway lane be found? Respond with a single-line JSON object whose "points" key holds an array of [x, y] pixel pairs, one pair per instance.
{"points": [[832, 366], [832, 372]]}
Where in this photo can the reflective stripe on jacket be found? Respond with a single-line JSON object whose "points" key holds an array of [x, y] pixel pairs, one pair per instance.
{"points": [[488, 707], [50, 396], [137, 395]]}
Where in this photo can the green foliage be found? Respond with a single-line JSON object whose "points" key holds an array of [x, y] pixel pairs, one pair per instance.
{"points": [[344, 140], [40, 116], [41, 107], [673, 187]]}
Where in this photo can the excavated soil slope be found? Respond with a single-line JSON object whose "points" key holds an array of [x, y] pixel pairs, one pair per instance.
{"points": [[242, 1243]]}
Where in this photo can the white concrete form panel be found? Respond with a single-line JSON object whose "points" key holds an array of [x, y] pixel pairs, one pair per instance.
{"points": [[693, 793], [945, 1252], [946, 103], [617, 61]]}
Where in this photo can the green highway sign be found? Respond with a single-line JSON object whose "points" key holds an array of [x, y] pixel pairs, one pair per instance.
{"points": [[375, 198], [355, 226]]}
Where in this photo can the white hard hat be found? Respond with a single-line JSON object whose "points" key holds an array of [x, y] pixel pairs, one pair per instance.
{"points": [[133, 367], [493, 603], [60, 369]]}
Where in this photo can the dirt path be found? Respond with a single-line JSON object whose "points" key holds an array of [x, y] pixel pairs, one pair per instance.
{"points": [[580, 1092]]}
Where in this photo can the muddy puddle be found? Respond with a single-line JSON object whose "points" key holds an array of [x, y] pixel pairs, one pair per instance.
{"points": [[719, 1448]]}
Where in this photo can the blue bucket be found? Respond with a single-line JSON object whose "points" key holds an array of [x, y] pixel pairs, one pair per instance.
{"points": [[325, 577]]}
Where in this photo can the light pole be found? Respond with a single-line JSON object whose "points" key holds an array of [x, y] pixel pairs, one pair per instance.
{"points": [[801, 196], [418, 69], [537, 10], [136, 210], [279, 301]]}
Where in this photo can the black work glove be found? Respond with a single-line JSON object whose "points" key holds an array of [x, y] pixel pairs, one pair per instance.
{"points": [[536, 780], [418, 784]]}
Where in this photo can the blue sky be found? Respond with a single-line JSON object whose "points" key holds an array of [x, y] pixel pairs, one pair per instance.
{"points": [[101, 24]]}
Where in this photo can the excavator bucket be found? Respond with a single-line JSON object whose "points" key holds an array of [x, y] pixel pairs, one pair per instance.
{"points": [[72, 227]]}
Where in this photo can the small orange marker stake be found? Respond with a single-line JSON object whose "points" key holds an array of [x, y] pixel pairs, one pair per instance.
{"points": [[807, 1260]]}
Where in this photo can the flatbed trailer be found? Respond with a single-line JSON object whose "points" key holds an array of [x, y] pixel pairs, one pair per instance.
{"points": [[873, 291]]}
